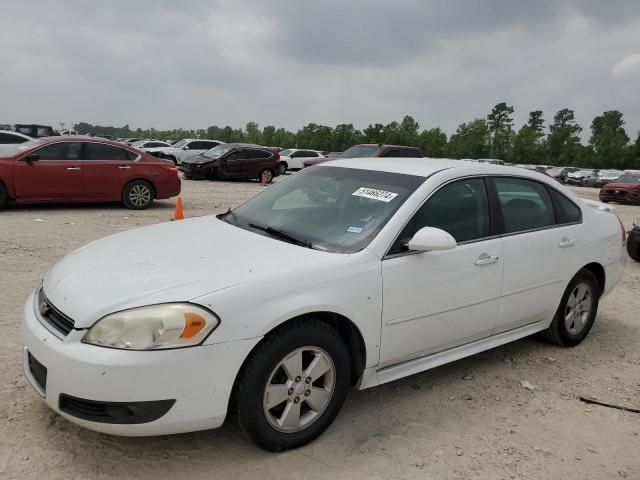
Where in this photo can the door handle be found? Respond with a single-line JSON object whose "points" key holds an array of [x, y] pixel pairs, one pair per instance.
{"points": [[567, 242], [486, 259], [126, 167], [73, 168]]}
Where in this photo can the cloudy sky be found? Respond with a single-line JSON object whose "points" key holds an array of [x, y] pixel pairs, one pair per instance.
{"points": [[194, 63]]}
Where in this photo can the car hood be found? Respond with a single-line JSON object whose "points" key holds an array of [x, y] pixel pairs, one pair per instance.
{"points": [[198, 159], [169, 262], [622, 186]]}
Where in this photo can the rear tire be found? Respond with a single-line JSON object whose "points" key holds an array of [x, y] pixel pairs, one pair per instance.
{"points": [[138, 195], [576, 312], [267, 174], [282, 400], [3, 196]]}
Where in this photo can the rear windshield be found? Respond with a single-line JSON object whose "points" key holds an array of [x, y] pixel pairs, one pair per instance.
{"points": [[286, 153]]}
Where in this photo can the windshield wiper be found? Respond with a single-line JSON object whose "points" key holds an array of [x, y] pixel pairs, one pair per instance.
{"points": [[230, 213], [274, 232]]}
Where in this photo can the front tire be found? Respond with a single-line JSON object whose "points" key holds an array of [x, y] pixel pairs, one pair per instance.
{"points": [[172, 159], [283, 168], [577, 311], [633, 249], [293, 385], [138, 195]]}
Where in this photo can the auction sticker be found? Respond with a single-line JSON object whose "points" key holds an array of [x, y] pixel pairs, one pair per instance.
{"points": [[373, 194]]}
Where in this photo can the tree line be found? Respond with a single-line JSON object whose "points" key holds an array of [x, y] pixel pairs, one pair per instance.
{"points": [[558, 143]]}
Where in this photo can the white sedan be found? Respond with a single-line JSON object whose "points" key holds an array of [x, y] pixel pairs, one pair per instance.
{"points": [[185, 148], [9, 138], [393, 266]]}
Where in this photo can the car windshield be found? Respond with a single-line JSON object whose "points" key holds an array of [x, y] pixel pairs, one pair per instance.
{"points": [[286, 153], [628, 178], [180, 144], [359, 151], [11, 150], [217, 152], [332, 209]]}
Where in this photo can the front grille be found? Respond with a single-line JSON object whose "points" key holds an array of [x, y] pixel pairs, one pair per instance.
{"points": [[54, 317], [38, 371]]}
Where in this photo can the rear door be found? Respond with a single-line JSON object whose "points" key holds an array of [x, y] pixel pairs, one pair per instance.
{"points": [[256, 161], [56, 175], [539, 251], [298, 158], [106, 170]]}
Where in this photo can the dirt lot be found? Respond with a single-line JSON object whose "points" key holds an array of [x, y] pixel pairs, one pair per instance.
{"points": [[469, 419]]}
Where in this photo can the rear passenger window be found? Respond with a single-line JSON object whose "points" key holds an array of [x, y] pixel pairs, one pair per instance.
{"points": [[460, 208], [102, 151], [526, 205], [567, 211]]}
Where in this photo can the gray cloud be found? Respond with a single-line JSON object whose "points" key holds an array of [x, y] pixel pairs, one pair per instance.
{"points": [[196, 63]]}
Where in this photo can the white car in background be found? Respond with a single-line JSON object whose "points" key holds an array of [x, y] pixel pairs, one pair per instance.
{"points": [[393, 266], [183, 149], [292, 158], [9, 138], [147, 145]]}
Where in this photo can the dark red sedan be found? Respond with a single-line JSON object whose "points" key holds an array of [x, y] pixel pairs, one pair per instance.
{"points": [[625, 189], [84, 169]]}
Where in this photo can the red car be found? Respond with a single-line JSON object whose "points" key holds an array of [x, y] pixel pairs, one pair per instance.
{"points": [[84, 169], [625, 189]]}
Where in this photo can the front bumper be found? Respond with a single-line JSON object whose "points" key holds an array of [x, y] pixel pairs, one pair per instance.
{"points": [[621, 196], [199, 379], [197, 170]]}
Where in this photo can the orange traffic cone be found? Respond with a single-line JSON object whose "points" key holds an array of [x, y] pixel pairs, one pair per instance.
{"points": [[178, 214], [264, 181]]}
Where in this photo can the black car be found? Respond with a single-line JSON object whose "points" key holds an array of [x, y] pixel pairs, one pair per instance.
{"points": [[233, 160], [633, 241]]}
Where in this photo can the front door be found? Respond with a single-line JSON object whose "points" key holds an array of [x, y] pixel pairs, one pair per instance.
{"points": [[433, 301], [55, 175]]}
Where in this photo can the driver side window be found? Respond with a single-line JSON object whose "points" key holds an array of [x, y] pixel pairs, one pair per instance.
{"points": [[460, 208]]}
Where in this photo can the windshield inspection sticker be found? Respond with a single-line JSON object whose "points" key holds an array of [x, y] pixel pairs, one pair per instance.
{"points": [[374, 194], [354, 230]]}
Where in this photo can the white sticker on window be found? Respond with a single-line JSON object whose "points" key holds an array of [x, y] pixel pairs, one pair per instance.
{"points": [[374, 194], [354, 229]]}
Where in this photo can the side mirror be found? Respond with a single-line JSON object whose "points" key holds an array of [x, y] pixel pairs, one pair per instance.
{"points": [[428, 239], [32, 157], [186, 147]]}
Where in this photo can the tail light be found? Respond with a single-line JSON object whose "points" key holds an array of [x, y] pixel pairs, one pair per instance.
{"points": [[277, 156], [624, 232], [170, 168]]}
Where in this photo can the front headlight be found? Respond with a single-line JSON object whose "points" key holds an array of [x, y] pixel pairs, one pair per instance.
{"points": [[169, 325]]}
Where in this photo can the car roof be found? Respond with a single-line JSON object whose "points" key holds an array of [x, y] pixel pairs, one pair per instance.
{"points": [[426, 166], [384, 145]]}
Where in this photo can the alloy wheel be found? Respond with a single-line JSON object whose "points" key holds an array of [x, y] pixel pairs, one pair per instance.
{"points": [[140, 195], [299, 389], [578, 308]]}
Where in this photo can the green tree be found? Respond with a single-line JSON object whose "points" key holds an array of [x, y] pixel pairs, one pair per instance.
{"points": [[609, 140], [536, 122], [253, 133], [344, 136], [500, 125], [471, 140], [373, 133], [525, 147], [563, 141], [433, 143]]}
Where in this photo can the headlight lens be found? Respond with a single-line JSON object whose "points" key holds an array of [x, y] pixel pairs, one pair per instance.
{"points": [[170, 325]]}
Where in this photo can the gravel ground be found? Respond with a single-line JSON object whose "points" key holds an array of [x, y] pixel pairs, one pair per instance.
{"points": [[469, 419]]}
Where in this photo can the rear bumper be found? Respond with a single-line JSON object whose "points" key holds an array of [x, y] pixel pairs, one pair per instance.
{"points": [[131, 393], [167, 186]]}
